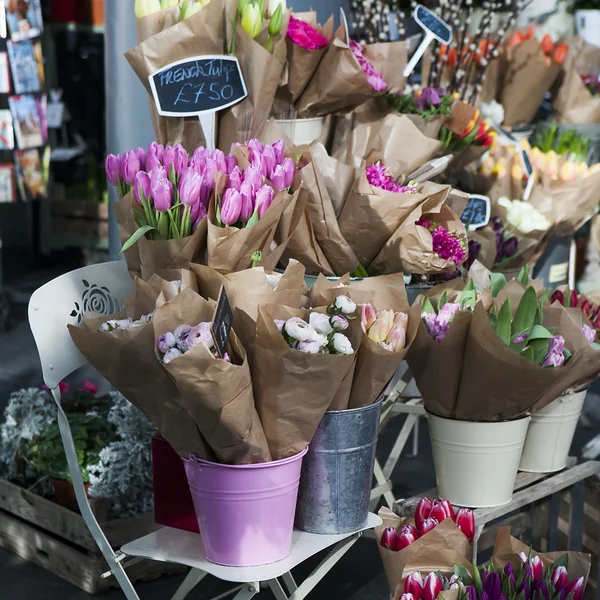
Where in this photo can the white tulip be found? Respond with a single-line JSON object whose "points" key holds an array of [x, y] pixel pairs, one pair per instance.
{"points": [[273, 4]]}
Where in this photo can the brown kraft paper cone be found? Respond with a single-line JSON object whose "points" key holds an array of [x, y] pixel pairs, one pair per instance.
{"points": [[431, 127], [217, 394], [292, 389], [389, 58], [438, 550], [127, 360], [410, 249], [262, 73], [507, 550], [526, 82], [127, 227], [171, 282], [203, 33]]}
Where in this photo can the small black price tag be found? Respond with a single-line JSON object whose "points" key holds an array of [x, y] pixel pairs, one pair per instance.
{"points": [[222, 323], [477, 212]]}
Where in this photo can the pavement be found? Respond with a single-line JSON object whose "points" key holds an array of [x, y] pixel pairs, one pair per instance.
{"points": [[358, 576]]}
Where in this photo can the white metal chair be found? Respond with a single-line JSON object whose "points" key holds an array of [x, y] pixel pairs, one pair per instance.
{"points": [[102, 289]]}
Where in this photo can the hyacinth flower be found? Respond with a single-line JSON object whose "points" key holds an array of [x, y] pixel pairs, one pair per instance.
{"points": [[380, 177], [374, 78], [448, 245]]}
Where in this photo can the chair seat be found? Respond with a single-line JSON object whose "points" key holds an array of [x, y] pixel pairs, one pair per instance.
{"points": [[182, 547]]}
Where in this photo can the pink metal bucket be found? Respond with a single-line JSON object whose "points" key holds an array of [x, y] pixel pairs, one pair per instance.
{"points": [[245, 512]]}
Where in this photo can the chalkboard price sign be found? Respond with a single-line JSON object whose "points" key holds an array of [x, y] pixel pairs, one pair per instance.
{"points": [[477, 212], [222, 323], [198, 86]]}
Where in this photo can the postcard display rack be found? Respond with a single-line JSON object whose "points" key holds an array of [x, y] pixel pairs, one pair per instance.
{"points": [[24, 155]]}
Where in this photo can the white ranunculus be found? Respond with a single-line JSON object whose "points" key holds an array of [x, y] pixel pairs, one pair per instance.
{"points": [[298, 329], [341, 344], [345, 305], [309, 347], [315, 336], [274, 280], [172, 354], [320, 323], [493, 112]]}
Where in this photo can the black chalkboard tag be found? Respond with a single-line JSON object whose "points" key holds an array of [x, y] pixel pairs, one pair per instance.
{"points": [[222, 323], [477, 212], [199, 86]]}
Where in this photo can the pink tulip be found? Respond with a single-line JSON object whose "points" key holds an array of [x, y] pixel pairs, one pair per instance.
{"points": [[368, 315], [270, 160], [142, 186], [141, 154], [278, 177], [465, 521], [560, 577], [130, 165], [181, 159], [441, 511], [231, 162], [537, 568], [289, 170], [206, 192], [279, 148], [576, 588], [155, 149], [235, 179], [201, 154], [189, 188], [113, 166], [254, 144], [413, 584], [200, 218], [247, 193], [254, 176], [169, 158], [264, 199], [432, 587], [408, 535], [162, 194], [396, 339], [153, 164], [407, 597], [423, 511], [231, 206], [428, 524], [220, 164], [390, 539]]}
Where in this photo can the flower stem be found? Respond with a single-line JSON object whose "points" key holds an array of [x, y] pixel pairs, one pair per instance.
{"points": [[270, 44]]}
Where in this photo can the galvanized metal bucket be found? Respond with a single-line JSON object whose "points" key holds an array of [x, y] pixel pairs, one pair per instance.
{"points": [[335, 484]]}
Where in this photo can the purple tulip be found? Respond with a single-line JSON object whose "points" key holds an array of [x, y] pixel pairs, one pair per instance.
{"points": [[270, 160], [189, 188], [247, 193], [153, 163], [141, 186], [257, 160], [429, 97], [141, 154], [113, 167], [219, 158], [496, 223], [181, 159], [278, 178], [231, 206], [210, 171], [169, 158], [231, 162], [130, 165], [254, 176], [206, 192], [510, 246], [555, 356], [158, 172], [201, 153], [471, 592], [279, 148], [155, 149], [491, 585], [508, 570], [235, 179], [200, 218], [162, 193], [289, 170], [264, 199], [256, 145]]}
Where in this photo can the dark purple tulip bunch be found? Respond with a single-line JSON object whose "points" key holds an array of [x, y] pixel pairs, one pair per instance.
{"points": [[507, 245]]}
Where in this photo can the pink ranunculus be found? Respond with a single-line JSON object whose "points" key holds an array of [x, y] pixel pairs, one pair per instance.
{"points": [[305, 35]]}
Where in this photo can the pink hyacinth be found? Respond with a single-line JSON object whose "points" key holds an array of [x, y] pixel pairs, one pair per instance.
{"points": [[379, 176], [446, 244], [374, 78]]}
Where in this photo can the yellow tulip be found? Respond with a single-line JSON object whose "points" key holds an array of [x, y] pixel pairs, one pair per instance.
{"points": [[487, 166], [381, 328], [517, 172], [252, 20], [552, 167], [568, 172], [143, 8]]}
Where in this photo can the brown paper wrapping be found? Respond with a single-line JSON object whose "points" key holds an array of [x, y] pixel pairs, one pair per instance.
{"points": [[511, 385], [372, 215], [526, 81], [389, 58], [127, 226], [164, 282], [127, 359], [508, 548], [410, 249], [292, 390], [431, 127], [438, 550], [217, 394], [574, 104], [262, 72], [567, 204], [301, 63], [487, 252], [338, 85], [203, 33]]}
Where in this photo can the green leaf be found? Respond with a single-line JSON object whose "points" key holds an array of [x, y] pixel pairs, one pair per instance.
{"points": [[443, 300], [427, 306], [136, 236], [538, 332], [502, 326], [253, 220], [540, 349], [477, 580], [528, 354], [561, 561], [567, 354], [163, 226], [497, 283], [463, 574], [523, 276], [525, 315]]}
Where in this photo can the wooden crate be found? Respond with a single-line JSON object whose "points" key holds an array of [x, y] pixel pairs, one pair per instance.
{"points": [[58, 540]]}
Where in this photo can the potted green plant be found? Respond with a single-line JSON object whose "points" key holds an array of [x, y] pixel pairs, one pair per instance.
{"points": [[45, 453]]}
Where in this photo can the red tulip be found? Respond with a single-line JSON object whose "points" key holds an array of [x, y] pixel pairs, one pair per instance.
{"points": [[432, 588], [557, 295], [408, 535], [537, 568], [413, 584], [586, 306], [560, 577], [407, 597], [442, 510], [390, 539], [465, 521], [576, 588], [423, 511], [429, 524], [573, 299]]}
